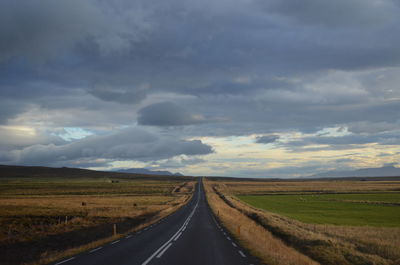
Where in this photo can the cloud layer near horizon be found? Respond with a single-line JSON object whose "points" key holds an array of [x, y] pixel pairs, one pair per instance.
{"points": [[291, 77]]}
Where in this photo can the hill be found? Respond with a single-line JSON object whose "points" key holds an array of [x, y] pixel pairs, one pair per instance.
{"points": [[66, 172]]}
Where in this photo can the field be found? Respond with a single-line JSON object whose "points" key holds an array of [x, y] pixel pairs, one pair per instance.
{"points": [[373, 209], [354, 221], [312, 187], [58, 214]]}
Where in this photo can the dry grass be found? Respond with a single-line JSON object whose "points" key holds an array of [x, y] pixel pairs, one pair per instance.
{"points": [[52, 256], [63, 210], [328, 244], [261, 242], [337, 186]]}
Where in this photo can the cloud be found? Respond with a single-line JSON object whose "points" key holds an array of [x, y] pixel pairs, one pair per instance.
{"points": [[128, 144], [168, 114], [267, 139], [10, 109], [193, 69], [125, 96], [373, 127], [335, 13], [43, 29]]}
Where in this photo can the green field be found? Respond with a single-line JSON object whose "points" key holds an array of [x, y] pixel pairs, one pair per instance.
{"points": [[377, 209]]}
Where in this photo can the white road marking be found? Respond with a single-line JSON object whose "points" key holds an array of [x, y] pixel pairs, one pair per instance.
{"points": [[162, 252], [94, 250], [128, 236], [228, 238], [65, 261], [176, 238], [242, 254], [234, 244], [115, 242]]}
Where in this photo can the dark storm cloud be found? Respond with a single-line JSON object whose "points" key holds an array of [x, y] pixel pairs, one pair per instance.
{"points": [[9, 109], [337, 13], [125, 96], [267, 139], [167, 114], [129, 144]]}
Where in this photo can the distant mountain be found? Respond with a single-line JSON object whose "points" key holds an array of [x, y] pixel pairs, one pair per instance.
{"points": [[386, 171], [7, 171], [148, 172]]}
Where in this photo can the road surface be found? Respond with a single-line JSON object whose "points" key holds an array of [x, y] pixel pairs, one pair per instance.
{"points": [[190, 236]]}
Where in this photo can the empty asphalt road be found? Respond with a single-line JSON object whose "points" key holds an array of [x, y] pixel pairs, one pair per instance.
{"points": [[190, 236]]}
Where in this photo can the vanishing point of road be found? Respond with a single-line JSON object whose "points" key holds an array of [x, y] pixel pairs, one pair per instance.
{"points": [[190, 236]]}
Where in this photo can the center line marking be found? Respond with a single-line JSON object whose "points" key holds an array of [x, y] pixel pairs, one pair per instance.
{"points": [[234, 244], [162, 252], [176, 238], [242, 254]]}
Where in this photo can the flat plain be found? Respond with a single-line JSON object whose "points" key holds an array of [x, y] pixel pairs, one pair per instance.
{"points": [[57, 214], [374, 209]]}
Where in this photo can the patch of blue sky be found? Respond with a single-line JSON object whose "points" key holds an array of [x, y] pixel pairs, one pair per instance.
{"points": [[74, 133]]}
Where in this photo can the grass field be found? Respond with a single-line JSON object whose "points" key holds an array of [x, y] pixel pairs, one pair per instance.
{"points": [[310, 186], [342, 221], [377, 209], [35, 213]]}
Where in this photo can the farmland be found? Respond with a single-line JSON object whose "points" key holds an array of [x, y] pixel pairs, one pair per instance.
{"points": [[375, 209], [58, 214], [342, 221]]}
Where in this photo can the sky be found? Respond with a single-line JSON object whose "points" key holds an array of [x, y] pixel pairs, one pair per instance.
{"points": [[242, 88]]}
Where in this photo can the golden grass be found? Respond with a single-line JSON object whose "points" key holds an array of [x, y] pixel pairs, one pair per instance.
{"points": [[49, 257], [106, 206], [259, 187], [261, 242], [29, 218], [328, 244]]}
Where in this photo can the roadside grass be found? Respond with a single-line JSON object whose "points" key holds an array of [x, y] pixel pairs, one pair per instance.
{"points": [[337, 209], [48, 218], [261, 243], [325, 243]]}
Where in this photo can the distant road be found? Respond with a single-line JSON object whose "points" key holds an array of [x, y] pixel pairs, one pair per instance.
{"points": [[190, 236]]}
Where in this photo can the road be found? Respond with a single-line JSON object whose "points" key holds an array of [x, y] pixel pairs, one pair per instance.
{"points": [[190, 236]]}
